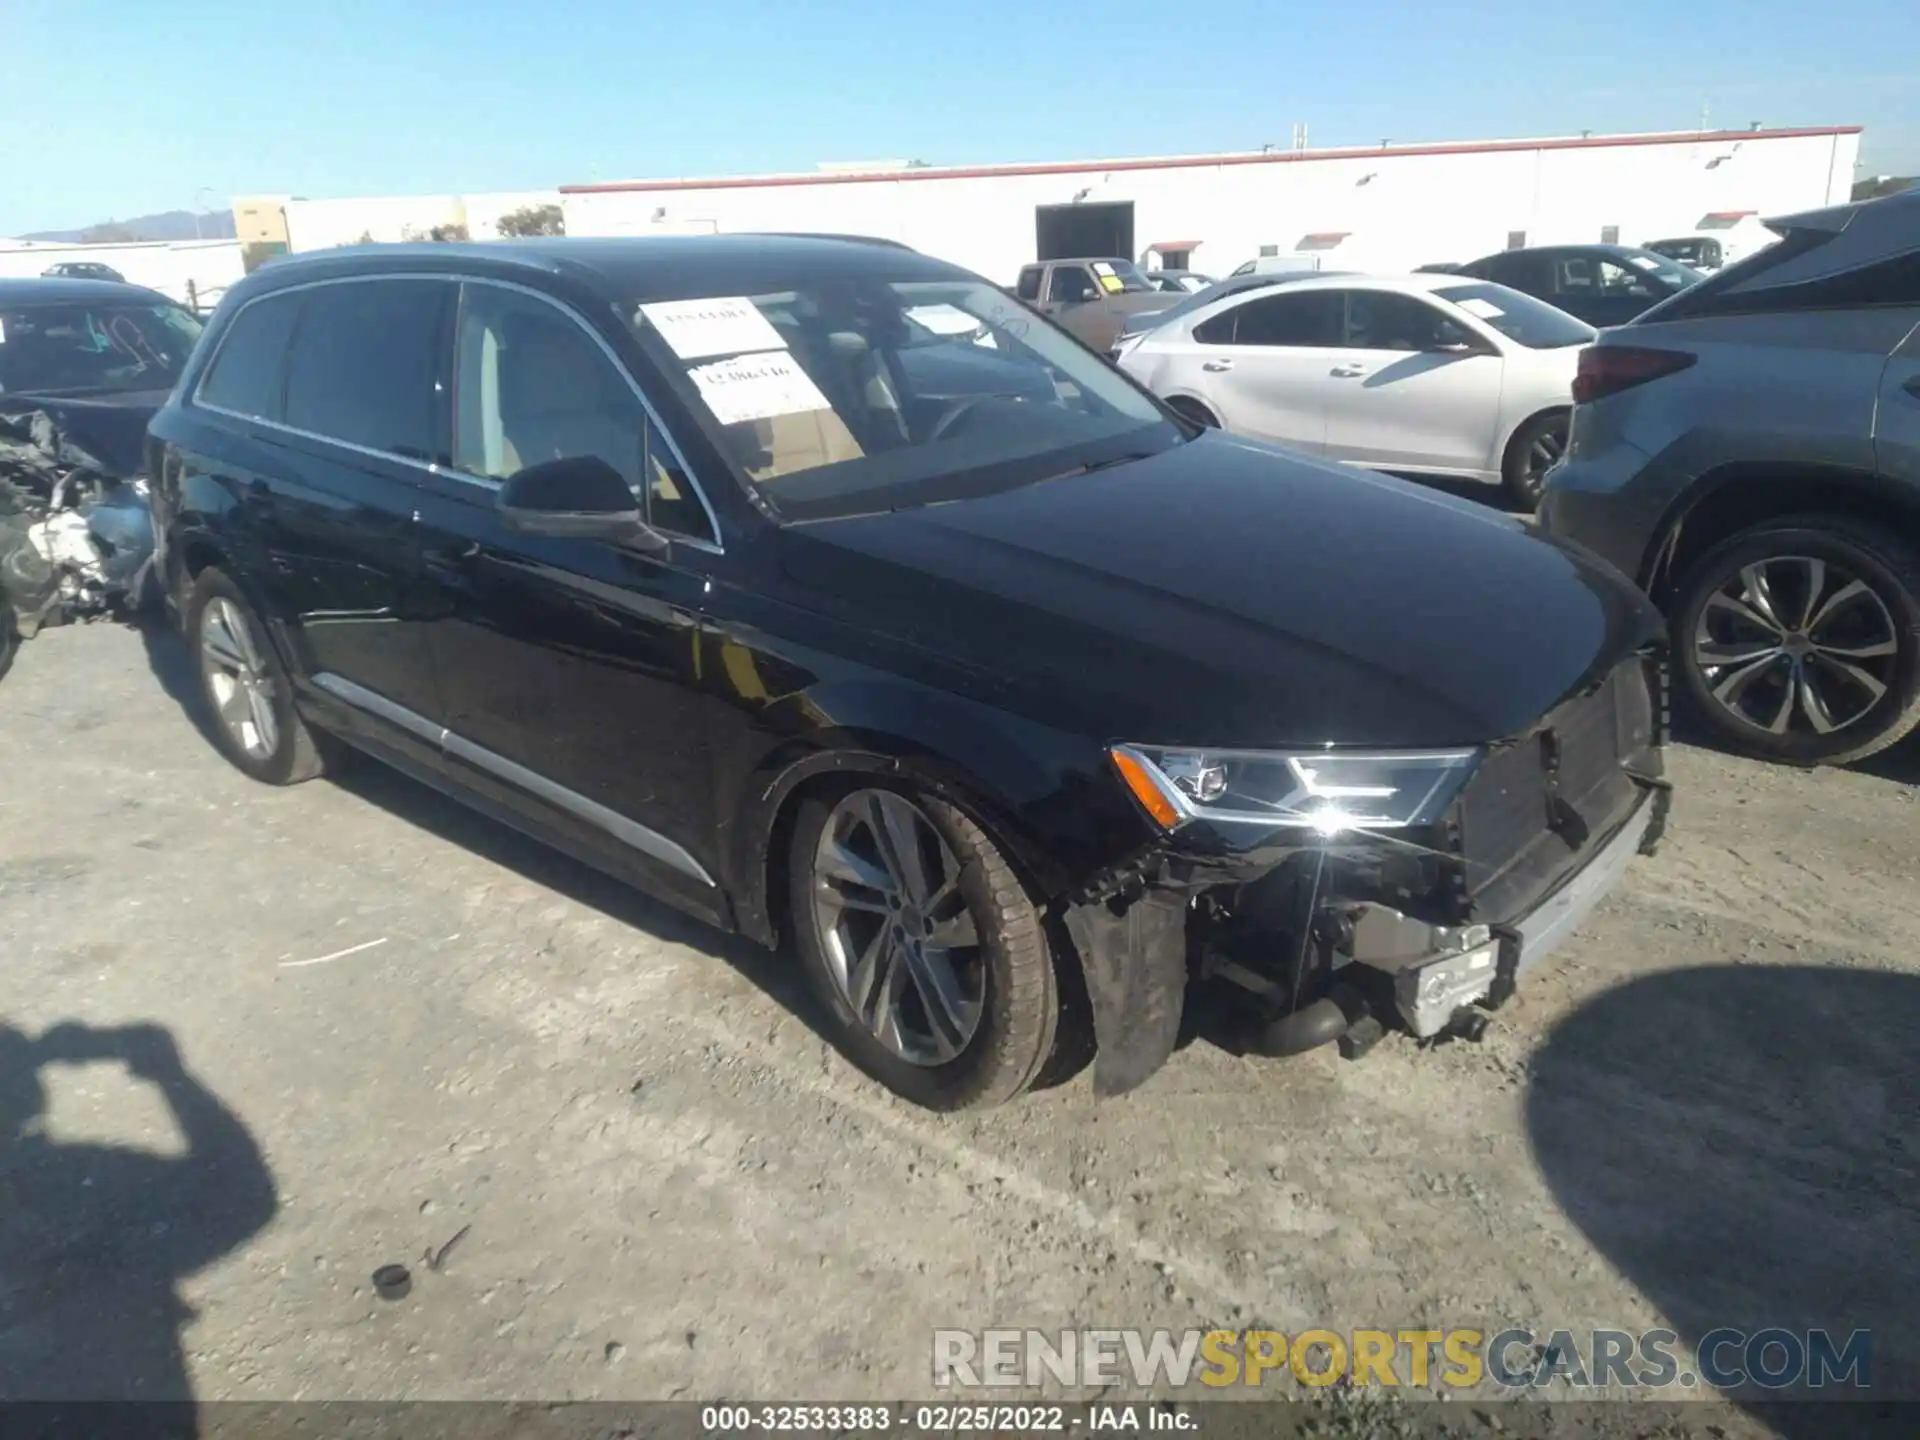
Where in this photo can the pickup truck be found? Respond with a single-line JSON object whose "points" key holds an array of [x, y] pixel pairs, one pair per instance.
{"points": [[1089, 298]]}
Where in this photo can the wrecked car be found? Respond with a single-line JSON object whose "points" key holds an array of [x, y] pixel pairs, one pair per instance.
{"points": [[83, 367], [1015, 709]]}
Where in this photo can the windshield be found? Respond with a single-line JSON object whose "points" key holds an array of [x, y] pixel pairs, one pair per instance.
{"points": [[1121, 277], [849, 396], [1521, 318], [78, 349]]}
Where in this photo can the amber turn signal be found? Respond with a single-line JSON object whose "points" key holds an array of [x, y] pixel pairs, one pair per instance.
{"points": [[1151, 797]]}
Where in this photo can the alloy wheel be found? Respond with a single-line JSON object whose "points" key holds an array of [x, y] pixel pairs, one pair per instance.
{"points": [[237, 679], [900, 943], [1795, 644], [1543, 454]]}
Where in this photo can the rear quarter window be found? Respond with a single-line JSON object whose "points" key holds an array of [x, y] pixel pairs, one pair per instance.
{"points": [[245, 373]]}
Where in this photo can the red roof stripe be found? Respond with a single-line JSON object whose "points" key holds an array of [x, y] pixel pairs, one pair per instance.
{"points": [[1192, 162]]}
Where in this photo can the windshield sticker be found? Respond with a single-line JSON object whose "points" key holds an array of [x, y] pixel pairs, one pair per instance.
{"points": [[944, 319], [725, 325], [1101, 267], [1644, 262], [757, 387], [1485, 309], [1113, 283]]}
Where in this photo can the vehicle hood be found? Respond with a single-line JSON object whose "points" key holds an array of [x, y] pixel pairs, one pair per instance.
{"points": [[111, 428], [1224, 593]]}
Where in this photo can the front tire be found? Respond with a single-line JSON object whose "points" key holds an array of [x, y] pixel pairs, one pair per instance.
{"points": [[924, 947], [1799, 640], [246, 692]]}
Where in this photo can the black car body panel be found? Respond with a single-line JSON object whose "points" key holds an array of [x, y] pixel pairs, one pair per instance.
{"points": [[656, 710]]}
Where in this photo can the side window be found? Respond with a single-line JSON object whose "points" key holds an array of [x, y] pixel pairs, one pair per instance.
{"points": [[1310, 320], [1573, 275], [246, 372], [365, 365], [1381, 320], [1070, 282], [531, 386], [1029, 287], [1618, 279]]}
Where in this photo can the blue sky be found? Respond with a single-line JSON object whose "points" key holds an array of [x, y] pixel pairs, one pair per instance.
{"points": [[117, 108]]}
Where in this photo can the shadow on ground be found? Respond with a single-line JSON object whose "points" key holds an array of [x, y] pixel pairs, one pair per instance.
{"points": [[778, 974], [1743, 1144], [94, 1239]]}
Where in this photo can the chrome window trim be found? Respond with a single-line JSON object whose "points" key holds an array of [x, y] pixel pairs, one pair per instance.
{"points": [[713, 545], [629, 832]]}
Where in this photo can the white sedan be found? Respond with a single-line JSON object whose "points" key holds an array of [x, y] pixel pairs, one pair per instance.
{"points": [[1422, 374]]}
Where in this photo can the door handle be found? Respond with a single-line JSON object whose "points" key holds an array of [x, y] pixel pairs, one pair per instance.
{"points": [[1348, 372], [1216, 365]]}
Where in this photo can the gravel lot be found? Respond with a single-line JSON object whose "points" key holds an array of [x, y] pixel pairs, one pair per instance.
{"points": [[1707, 1113]]}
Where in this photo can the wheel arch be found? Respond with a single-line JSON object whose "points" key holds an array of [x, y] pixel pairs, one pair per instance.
{"points": [[770, 804], [1737, 496]]}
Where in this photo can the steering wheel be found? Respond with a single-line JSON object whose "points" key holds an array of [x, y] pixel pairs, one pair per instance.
{"points": [[956, 411]]}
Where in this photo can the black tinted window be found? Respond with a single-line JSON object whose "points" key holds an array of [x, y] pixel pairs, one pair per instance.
{"points": [[1070, 282], [1030, 283], [1743, 288], [365, 359], [1381, 320], [246, 372], [1311, 319]]}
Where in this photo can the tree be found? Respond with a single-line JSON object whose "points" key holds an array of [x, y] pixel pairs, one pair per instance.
{"points": [[533, 220]]}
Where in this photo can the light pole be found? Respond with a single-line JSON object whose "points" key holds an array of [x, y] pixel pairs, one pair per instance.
{"points": [[198, 232]]}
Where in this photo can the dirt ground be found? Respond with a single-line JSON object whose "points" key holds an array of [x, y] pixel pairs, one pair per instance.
{"points": [[306, 1033]]}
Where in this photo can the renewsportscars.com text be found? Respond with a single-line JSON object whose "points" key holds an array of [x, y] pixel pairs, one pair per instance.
{"points": [[1513, 1359]]}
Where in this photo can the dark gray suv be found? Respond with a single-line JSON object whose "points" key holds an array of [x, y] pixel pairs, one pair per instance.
{"points": [[1749, 452]]}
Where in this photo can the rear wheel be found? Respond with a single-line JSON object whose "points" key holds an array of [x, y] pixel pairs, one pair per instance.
{"points": [[1189, 409], [925, 947], [245, 689], [1535, 449], [1799, 640]]}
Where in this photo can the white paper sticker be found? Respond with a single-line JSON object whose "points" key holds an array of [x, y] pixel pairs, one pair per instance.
{"points": [[1485, 309], [757, 387], [725, 325], [1644, 262], [1101, 267], [944, 319]]}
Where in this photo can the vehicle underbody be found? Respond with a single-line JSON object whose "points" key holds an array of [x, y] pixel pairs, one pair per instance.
{"points": [[1349, 936], [76, 537]]}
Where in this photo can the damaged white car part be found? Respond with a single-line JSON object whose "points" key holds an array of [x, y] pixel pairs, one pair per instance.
{"points": [[76, 540]]}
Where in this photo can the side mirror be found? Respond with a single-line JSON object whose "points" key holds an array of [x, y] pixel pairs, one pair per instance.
{"points": [[580, 497]]}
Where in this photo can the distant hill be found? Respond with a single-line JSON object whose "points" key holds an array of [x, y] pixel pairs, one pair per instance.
{"points": [[172, 225]]}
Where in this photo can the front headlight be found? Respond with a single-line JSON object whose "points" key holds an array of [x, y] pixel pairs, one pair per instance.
{"points": [[1323, 790]]}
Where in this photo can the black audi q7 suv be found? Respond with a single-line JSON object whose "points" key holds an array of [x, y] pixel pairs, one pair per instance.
{"points": [[822, 589]]}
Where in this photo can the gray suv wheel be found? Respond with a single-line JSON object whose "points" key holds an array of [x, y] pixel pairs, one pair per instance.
{"points": [[1799, 640]]}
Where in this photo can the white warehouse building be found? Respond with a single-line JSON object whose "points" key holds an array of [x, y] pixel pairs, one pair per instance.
{"points": [[1390, 207]]}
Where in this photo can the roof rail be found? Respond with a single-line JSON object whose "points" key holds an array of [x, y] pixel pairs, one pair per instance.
{"points": [[830, 235]]}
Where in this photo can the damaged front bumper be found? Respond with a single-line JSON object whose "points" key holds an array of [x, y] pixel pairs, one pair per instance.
{"points": [[1339, 939]]}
